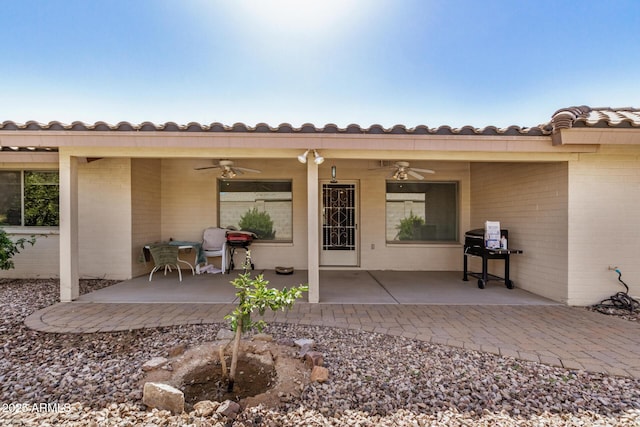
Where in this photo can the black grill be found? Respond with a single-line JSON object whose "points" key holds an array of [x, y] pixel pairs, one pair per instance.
{"points": [[239, 240], [474, 245]]}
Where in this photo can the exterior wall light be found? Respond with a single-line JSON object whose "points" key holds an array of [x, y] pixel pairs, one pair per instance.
{"points": [[317, 158], [302, 158]]}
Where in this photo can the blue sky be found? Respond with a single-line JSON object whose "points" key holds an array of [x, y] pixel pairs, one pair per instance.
{"points": [[411, 62]]}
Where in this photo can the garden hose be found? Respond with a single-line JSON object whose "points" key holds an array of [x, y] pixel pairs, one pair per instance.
{"points": [[621, 301]]}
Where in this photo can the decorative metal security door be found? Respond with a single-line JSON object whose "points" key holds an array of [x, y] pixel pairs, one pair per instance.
{"points": [[339, 240]]}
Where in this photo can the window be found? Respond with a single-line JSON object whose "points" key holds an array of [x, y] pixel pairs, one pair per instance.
{"points": [[422, 211], [263, 207], [29, 198]]}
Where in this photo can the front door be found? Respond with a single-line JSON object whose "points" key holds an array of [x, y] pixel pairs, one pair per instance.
{"points": [[339, 239]]}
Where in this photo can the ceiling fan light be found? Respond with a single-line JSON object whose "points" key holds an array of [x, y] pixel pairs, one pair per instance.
{"points": [[400, 175], [317, 158], [228, 173]]}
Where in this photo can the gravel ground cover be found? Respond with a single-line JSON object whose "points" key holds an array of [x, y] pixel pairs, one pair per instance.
{"points": [[375, 380]]}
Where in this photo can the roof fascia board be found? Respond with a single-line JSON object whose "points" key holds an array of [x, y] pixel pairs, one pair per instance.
{"points": [[161, 140], [328, 153], [26, 157], [599, 136]]}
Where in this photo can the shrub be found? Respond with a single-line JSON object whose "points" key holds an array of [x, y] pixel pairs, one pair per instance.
{"points": [[410, 228], [259, 223], [9, 248]]}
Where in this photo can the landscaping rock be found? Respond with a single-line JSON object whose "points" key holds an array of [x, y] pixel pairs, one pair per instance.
{"points": [[164, 397], [287, 342], [225, 334], [205, 408], [376, 379], [155, 363], [302, 342], [262, 337], [176, 350], [229, 409], [313, 358], [319, 374]]}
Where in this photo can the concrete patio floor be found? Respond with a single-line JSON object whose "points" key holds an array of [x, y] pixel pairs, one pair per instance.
{"points": [[436, 307], [336, 287]]}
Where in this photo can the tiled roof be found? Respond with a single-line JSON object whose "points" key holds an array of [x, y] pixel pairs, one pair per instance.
{"points": [[29, 149], [580, 117], [565, 118], [282, 128]]}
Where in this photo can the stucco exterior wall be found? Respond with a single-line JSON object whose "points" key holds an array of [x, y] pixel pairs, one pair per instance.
{"points": [[146, 201], [104, 218], [189, 205], [43, 259], [604, 224], [376, 253], [531, 201]]}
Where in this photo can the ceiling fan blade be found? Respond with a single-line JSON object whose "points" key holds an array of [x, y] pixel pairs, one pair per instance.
{"points": [[414, 174], [247, 170], [424, 170], [207, 167]]}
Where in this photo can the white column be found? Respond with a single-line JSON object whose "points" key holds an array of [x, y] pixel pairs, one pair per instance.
{"points": [[313, 230], [69, 285]]}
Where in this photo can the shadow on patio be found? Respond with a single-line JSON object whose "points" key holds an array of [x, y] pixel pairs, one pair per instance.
{"points": [[336, 287]]}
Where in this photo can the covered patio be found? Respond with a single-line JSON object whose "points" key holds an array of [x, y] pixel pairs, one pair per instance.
{"points": [[336, 287], [362, 201]]}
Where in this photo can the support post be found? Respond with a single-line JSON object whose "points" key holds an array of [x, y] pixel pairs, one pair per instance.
{"points": [[313, 230], [69, 277]]}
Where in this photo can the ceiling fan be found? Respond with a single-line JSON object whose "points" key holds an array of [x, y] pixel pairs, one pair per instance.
{"points": [[403, 170], [228, 170]]}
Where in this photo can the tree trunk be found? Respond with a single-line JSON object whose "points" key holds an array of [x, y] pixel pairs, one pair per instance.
{"points": [[234, 355], [223, 362]]}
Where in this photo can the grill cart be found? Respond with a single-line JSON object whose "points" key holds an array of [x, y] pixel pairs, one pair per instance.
{"points": [[239, 240], [474, 245]]}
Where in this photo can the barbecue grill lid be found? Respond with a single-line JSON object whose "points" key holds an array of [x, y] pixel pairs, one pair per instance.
{"points": [[478, 232]]}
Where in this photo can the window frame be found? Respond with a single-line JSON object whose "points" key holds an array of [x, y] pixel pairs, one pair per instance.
{"points": [[455, 239], [23, 174], [221, 181]]}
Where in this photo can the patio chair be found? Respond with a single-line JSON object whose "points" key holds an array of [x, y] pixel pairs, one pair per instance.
{"points": [[164, 256], [214, 244]]}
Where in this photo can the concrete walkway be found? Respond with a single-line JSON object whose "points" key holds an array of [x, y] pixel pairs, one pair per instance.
{"points": [[557, 335]]}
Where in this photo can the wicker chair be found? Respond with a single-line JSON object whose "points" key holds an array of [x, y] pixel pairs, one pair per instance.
{"points": [[164, 256]]}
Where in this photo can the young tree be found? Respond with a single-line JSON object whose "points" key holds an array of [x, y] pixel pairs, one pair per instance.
{"points": [[253, 294]]}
